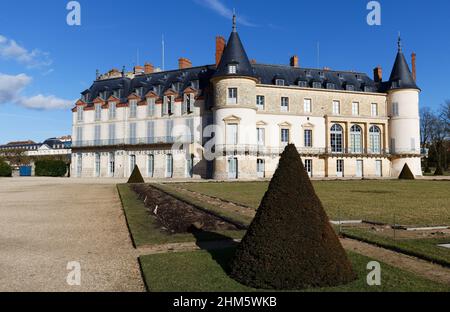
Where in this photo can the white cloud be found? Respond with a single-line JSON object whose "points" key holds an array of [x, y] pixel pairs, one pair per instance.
{"points": [[42, 102], [11, 50], [11, 88], [222, 10]]}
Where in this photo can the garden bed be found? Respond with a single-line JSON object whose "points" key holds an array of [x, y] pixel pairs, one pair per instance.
{"points": [[176, 216]]}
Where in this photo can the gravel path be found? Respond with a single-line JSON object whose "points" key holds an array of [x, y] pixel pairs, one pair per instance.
{"points": [[47, 223]]}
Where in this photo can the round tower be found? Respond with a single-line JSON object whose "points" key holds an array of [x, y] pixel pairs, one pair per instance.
{"points": [[404, 125], [234, 113]]}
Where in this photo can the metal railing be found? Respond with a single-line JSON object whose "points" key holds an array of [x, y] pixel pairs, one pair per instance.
{"points": [[135, 141]]}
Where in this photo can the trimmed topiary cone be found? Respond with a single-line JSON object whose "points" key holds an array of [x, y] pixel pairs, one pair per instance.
{"points": [[136, 176], [290, 244], [406, 174]]}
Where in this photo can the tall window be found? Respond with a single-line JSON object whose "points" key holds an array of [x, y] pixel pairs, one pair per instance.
{"points": [[133, 109], [132, 134], [284, 104], [340, 168], [80, 114], [97, 134], [232, 134], [169, 130], [98, 112], [393, 147], [79, 164], [374, 109], [355, 109], [356, 139], [151, 107], [261, 132], [308, 138], [232, 95], [97, 165], [169, 166], [151, 132], [260, 102], [190, 126], [151, 166], [375, 139], [285, 136], [112, 164], [336, 108], [309, 167], [260, 167], [170, 109], [395, 112], [307, 107], [187, 104], [112, 134], [336, 136], [112, 110], [79, 137], [189, 166]]}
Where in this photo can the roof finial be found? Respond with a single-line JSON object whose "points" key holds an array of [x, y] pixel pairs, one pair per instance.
{"points": [[399, 42], [234, 21]]}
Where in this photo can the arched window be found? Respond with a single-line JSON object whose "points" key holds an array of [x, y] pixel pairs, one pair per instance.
{"points": [[336, 141], [375, 139], [356, 139]]}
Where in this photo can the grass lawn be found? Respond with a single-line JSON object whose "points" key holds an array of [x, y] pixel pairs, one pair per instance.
{"points": [[144, 227], [203, 271], [426, 249], [422, 203]]}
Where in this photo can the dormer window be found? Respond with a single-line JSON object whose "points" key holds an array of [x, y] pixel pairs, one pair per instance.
{"points": [[279, 82], [85, 97], [117, 93], [368, 89], [302, 84], [350, 87], [317, 85], [232, 69], [176, 87], [102, 95], [322, 74], [140, 91], [331, 86], [195, 84]]}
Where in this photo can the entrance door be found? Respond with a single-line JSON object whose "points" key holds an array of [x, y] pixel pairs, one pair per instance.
{"points": [[308, 167], [359, 169], [340, 168], [233, 168], [378, 168], [261, 168]]}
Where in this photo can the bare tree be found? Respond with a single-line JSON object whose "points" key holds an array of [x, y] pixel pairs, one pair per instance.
{"points": [[427, 118], [438, 137]]}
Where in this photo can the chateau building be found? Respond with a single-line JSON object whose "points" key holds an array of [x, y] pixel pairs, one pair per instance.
{"points": [[232, 120]]}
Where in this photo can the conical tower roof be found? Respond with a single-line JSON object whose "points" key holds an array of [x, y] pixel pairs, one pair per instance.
{"points": [[291, 245], [401, 76], [234, 54]]}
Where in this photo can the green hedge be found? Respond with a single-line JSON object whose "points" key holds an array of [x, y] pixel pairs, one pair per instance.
{"points": [[5, 169], [50, 168]]}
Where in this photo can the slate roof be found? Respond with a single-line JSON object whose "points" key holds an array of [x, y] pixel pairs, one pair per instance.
{"points": [[234, 53]]}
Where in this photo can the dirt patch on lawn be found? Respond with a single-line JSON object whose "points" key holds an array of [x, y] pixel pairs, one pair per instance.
{"points": [[399, 234], [177, 217]]}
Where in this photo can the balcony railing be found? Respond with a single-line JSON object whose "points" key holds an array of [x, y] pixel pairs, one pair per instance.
{"points": [[135, 141]]}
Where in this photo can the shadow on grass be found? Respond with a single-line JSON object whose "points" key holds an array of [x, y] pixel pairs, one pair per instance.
{"points": [[219, 246]]}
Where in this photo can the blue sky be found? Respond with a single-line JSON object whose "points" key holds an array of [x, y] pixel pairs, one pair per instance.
{"points": [[45, 64]]}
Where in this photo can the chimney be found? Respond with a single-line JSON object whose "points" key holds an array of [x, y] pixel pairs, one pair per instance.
{"points": [[148, 68], [138, 69], [294, 61], [184, 63], [378, 74], [253, 61], [220, 47], [413, 61]]}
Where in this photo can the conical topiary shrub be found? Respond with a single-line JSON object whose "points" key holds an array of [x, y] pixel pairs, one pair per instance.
{"points": [[406, 174], [136, 176], [290, 244]]}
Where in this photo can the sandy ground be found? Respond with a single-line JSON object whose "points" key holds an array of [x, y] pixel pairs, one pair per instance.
{"points": [[47, 223]]}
